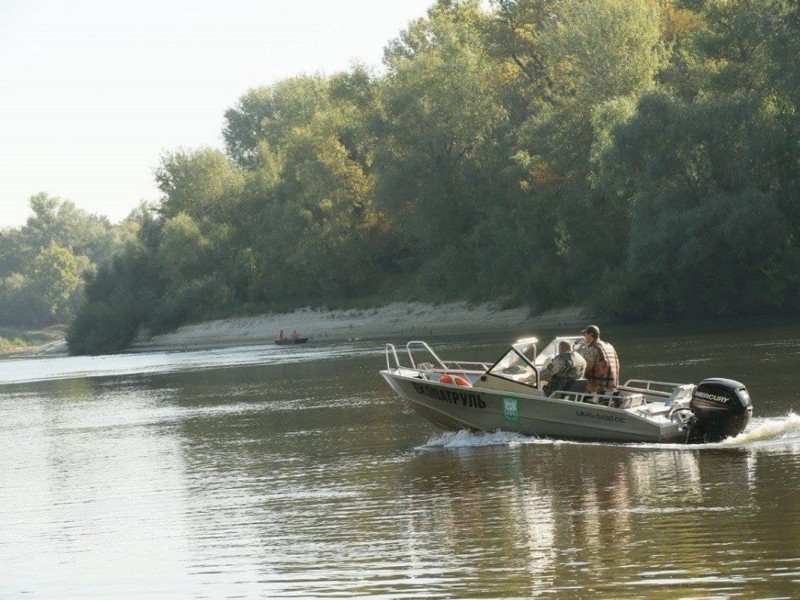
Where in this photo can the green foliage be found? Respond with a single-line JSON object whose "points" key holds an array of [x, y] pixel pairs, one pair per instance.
{"points": [[41, 263], [713, 259], [202, 184], [120, 298], [597, 52], [56, 275], [636, 156], [13, 340], [710, 208], [441, 116], [267, 116], [602, 49]]}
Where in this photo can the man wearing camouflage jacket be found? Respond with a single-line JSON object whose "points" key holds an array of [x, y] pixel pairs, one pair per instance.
{"points": [[567, 366]]}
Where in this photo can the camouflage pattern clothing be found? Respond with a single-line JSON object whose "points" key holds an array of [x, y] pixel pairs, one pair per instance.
{"points": [[602, 366], [565, 367]]}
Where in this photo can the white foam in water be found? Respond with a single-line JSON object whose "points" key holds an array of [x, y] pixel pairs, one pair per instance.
{"points": [[469, 439], [769, 430]]}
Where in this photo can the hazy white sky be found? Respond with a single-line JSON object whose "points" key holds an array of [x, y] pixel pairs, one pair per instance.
{"points": [[92, 92]]}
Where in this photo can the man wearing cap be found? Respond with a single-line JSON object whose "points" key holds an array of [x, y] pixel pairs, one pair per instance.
{"points": [[602, 363]]}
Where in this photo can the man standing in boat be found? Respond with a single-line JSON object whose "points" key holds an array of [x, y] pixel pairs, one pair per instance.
{"points": [[602, 363], [566, 367]]}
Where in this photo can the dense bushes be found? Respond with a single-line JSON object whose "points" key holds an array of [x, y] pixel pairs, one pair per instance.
{"points": [[636, 157]]}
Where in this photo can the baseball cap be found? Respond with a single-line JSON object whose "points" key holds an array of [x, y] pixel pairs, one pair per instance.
{"points": [[593, 329]]}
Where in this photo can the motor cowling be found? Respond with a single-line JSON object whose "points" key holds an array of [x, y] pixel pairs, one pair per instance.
{"points": [[720, 408]]}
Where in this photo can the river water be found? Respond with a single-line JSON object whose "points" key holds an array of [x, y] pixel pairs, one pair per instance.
{"points": [[266, 472]]}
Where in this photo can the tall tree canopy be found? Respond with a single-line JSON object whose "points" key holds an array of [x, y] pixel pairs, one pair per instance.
{"points": [[638, 157], [42, 262]]}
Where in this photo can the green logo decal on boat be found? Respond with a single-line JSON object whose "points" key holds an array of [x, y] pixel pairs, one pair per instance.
{"points": [[510, 409]]}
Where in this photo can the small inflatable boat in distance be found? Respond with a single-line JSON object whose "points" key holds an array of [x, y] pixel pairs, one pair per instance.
{"points": [[508, 395]]}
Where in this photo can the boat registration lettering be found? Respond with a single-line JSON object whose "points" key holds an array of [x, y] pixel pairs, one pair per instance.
{"points": [[599, 417], [466, 399], [510, 409]]}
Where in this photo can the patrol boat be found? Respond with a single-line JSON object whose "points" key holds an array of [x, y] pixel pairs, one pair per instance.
{"points": [[508, 395]]}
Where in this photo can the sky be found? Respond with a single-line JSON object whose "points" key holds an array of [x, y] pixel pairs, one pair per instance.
{"points": [[94, 92]]}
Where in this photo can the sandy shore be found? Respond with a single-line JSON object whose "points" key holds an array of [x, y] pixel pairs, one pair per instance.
{"points": [[396, 322], [393, 322]]}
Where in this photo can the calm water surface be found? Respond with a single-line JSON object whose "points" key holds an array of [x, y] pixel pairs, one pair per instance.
{"points": [[278, 472]]}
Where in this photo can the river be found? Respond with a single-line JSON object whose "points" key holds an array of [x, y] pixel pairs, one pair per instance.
{"points": [[267, 472]]}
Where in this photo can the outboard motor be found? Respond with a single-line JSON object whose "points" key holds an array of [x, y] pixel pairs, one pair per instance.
{"points": [[720, 408]]}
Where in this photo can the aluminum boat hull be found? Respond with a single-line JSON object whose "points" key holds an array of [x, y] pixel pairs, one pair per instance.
{"points": [[454, 407]]}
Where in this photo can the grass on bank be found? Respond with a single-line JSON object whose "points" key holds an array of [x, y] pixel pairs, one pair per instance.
{"points": [[15, 340]]}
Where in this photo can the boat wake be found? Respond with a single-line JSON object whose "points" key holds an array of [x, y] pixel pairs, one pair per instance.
{"points": [[779, 429], [470, 439], [768, 432]]}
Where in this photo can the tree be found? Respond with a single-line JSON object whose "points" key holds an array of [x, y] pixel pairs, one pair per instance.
{"points": [[440, 114], [599, 57], [41, 262], [596, 52], [705, 189], [266, 115], [202, 183], [120, 299], [535, 151], [329, 214], [314, 229], [55, 278], [57, 221]]}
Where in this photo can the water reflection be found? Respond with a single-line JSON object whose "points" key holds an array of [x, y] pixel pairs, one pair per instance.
{"points": [[96, 490], [277, 479], [630, 517], [121, 365]]}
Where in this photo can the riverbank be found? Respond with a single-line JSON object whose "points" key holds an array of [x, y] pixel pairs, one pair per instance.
{"points": [[17, 343], [396, 320]]}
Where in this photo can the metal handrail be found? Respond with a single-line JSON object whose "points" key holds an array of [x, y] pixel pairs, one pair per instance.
{"points": [[426, 347], [464, 367], [479, 367], [637, 384], [394, 352]]}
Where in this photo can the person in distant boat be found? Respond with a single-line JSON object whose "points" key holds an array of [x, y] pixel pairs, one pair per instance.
{"points": [[295, 335], [280, 334], [602, 363], [566, 367]]}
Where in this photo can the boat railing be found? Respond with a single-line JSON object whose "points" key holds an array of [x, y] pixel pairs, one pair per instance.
{"points": [[662, 389], [438, 366], [469, 367], [658, 388], [391, 351], [612, 400]]}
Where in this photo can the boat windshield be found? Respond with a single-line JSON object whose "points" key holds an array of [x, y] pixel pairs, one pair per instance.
{"points": [[522, 362], [550, 351], [514, 365]]}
